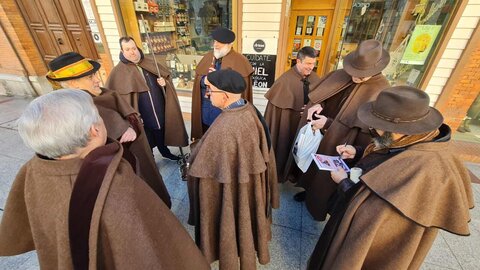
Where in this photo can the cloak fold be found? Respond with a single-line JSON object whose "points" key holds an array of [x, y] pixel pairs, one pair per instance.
{"points": [[232, 188], [115, 113], [285, 102], [127, 80], [123, 232], [345, 128]]}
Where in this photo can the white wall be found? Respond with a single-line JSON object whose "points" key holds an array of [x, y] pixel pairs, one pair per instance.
{"points": [[110, 27], [261, 19], [462, 33]]}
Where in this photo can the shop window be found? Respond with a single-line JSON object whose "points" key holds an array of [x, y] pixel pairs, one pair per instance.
{"points": [[409, 29], [179, 31]]}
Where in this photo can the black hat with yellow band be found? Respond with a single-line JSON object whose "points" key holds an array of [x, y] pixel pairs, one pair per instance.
{"points": [[69, 66]]}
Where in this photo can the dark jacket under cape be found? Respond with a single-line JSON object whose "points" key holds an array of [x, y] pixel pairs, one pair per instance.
{"points": [[116, 113], [232, 188], [345, 128], [131, 227], [232, 60], [128, 82], [285, 103], [393, 220]]}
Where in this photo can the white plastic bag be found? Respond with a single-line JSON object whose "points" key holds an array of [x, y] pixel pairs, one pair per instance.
{"points": [[305, 145]]}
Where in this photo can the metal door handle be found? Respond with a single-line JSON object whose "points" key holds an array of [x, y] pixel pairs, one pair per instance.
{"points": [[60, 41], [289, 58]]}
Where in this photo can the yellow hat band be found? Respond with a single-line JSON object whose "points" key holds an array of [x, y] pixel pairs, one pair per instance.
{"points": [[72, 70]]}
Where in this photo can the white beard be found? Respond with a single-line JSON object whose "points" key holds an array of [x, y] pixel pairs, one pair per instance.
{"points": [[222, 52]]}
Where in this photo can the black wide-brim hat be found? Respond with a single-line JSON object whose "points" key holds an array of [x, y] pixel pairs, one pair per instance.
{"points": [[367, 60], [71, 65], [223, 35], [401, 109]]}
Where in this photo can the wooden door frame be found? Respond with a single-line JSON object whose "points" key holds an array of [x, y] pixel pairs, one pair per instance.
{"points": [[62, 18], [283, 36]]}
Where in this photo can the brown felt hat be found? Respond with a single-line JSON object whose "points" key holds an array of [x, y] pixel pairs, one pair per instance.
{"points": [[367, 60], [401, 109]]}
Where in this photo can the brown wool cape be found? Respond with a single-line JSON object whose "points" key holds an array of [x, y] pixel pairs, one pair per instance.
{"points": [[123, 232], [232, 60], [285, 102], [345, 128], [128, 82], [116, 113], [232, 188], [392, 221]]}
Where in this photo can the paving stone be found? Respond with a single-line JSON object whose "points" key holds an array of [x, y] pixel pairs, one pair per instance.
{"points": [[466, 249], [290, 212], [441, 254], [284, 249], [309, 225], [307, 246]]}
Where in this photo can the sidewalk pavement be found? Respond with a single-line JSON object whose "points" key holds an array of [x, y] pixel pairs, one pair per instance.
{"points": [[294, 232]]}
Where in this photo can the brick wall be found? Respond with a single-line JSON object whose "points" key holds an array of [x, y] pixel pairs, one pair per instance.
{"points": [[19, 34], [13, 65], [465, 85]]}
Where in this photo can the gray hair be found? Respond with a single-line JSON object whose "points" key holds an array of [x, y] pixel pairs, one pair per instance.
{"points": [[58, 123]]}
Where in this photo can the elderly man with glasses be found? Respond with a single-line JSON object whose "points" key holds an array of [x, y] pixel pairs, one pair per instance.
{"points": [[233, 184]]}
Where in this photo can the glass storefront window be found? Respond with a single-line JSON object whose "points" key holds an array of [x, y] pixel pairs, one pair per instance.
{"points": [[179, 31], [409, 30]]}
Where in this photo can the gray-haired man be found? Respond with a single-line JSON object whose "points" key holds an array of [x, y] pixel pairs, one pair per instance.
{"points": [[77, 202]]}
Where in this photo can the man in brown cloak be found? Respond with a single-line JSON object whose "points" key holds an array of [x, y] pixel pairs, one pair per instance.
{"points": [[286, 100], [71, 70], [411, 186], [79, 204], [222, 57], [335, 101], [136, 79], [233, 186]]}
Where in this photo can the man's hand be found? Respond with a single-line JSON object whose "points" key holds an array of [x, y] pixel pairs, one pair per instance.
{"points": [[128, 136], [320, 122], [161, 82], [346, 151], [317, 109], [338, 175]]}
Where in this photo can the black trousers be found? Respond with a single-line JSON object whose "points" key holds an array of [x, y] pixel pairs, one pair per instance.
{"points": [[156, 138]]}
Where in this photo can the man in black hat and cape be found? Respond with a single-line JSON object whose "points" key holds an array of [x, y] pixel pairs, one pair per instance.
{"points": [[233, 186], [334, 103], [223, 56], [410, 185]]}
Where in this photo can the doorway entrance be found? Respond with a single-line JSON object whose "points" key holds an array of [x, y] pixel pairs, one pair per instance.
{"points": [[320, 25], [58, 26], [309, 28]]}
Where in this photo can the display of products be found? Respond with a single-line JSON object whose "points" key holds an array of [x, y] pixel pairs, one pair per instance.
{"points": [[160, 42]]}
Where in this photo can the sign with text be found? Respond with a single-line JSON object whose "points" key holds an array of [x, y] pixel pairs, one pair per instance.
{"points": [[264, 70], [261, 52]]}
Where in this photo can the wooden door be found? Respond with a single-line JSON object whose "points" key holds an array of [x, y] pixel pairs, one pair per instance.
{"points": [[309, 28], [58, 26]]}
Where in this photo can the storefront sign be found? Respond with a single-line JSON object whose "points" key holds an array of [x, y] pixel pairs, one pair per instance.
{"points": [[264, 70], [91, 21], [259, 45], [420, 44], [261, 52]]}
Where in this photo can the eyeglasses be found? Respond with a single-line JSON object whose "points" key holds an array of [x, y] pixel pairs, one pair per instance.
{"points": [[209, 91], [373, 132]]}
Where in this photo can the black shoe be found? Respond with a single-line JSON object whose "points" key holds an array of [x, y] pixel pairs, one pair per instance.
{"points": [[171, 157], [300, 196]]}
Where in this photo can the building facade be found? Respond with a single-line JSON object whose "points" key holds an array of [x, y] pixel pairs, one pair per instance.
{"points": [[434, 45]]}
